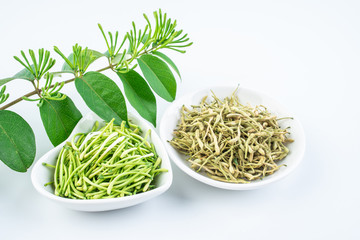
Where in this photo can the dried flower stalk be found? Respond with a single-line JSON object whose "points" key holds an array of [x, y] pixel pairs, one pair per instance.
{"points": [[231, 142]]}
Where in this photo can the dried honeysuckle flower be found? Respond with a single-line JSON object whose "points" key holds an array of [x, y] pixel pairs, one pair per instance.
{"points": [[231, 142]]}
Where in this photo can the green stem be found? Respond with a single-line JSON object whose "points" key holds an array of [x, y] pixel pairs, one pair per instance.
{"points": [[37, 90]]}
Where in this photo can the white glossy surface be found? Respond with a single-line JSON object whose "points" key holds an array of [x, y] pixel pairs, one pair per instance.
{"points": [[303, 53], [171, 118], [41, 174]]}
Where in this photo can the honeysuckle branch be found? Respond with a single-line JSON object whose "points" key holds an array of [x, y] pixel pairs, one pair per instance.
{"points": [[162, 36], [38, 91], [126, 62], [139, 47]]}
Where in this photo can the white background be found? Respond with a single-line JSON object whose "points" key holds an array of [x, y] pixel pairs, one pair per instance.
{"points": [[306, 54]]}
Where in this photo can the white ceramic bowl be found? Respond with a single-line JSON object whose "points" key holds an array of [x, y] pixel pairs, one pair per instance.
{"points": [[41, 174], [171, 117]]}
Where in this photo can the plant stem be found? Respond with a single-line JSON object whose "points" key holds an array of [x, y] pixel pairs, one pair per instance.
{"points": [[38, 92]]}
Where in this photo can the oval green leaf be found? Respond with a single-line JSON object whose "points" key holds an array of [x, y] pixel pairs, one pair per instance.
{"points": [[159, 76], [139, 94], [59, 118], [103, 96], [23, 74], [6, 80], [168, 61], [17, 141]]}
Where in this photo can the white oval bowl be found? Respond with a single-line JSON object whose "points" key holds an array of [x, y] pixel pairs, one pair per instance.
{"points": [[41, 174], [171, 118]]}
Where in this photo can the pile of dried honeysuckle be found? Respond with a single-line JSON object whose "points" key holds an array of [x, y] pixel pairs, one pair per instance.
{"points": [[230, 141]]}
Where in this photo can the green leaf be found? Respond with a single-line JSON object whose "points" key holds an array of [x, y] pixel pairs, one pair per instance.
{"points": [[66, 66], [168, 60], [106, 54], [6, 80], [59, 118], [17, 141], [97, 54], [23, 74], [139, 94], [117, 58], [159, 76], [103, 96]]}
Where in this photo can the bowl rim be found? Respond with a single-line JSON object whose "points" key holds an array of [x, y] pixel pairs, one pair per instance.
{"points": [[152, 193], [224, 185]]}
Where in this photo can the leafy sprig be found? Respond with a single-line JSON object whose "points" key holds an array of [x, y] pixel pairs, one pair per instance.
{"points": [[139, 47], [145, 41]]}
